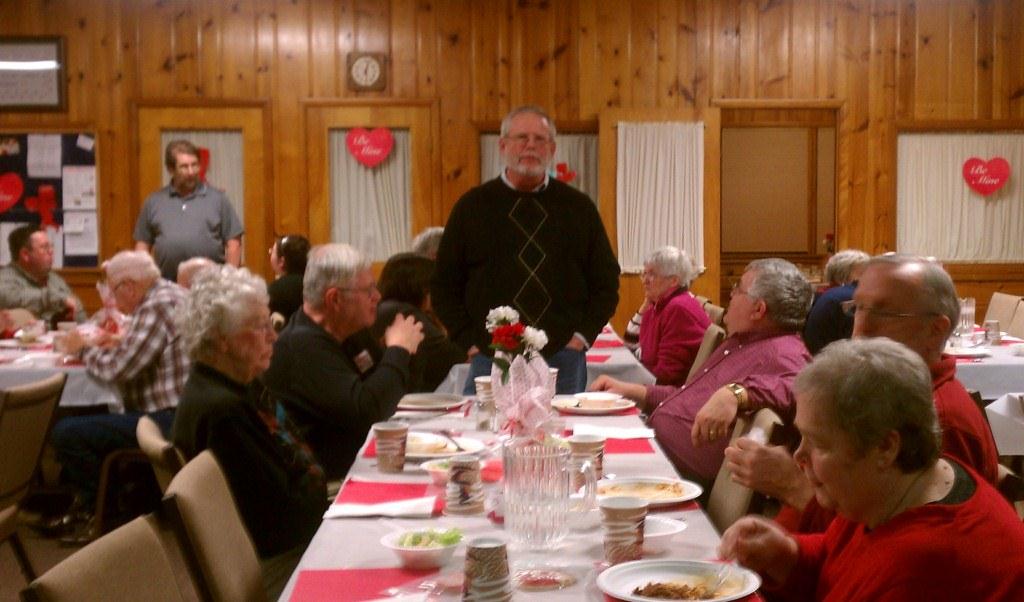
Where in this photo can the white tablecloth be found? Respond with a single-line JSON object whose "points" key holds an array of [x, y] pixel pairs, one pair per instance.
{"points": [[355, 542], [1006, 416], [621, 363], [995, 375], [80, 390]]}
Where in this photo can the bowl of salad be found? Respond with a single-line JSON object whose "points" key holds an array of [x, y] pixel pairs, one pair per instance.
{"points": [[423, 548]]}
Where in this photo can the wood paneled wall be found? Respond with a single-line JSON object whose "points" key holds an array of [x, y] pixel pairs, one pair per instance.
{"points": [[884, 60]]}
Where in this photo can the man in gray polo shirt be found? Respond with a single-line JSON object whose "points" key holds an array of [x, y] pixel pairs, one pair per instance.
{"points": [[187, 218]]}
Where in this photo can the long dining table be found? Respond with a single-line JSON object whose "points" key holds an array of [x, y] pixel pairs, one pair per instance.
{"points": [[346, 561], [997, 370], [23, 364], [608, 355]]}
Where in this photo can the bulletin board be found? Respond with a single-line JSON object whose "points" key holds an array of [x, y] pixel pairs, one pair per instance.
{"points": [[49, 179]]}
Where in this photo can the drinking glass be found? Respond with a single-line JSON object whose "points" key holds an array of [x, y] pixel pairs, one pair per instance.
{"points": [[966, 327]]}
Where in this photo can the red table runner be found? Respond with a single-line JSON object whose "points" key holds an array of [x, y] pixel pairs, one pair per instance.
{"points": [[594, 358], [352, 584]]}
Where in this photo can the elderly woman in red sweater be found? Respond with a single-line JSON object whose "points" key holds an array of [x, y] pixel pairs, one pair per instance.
{"points": [[674, 322], [910, 525]]}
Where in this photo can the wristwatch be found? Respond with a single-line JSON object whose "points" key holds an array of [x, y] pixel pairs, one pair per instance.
{"points": [[741, 394]]}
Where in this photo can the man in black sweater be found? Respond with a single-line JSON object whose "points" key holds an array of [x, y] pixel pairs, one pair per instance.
{"points": [[528, 241]]}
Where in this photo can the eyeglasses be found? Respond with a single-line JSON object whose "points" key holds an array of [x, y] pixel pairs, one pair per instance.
{"points": [[736, 290], [851, 308], [367, 290], [524, 139]]}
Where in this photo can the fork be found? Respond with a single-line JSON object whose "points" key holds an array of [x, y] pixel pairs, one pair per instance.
{"points": [[450, 435], [723, 573]]}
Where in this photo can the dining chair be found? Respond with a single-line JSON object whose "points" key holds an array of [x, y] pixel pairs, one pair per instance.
{"points": [[1002, 307], [19, 317], [1016, 327], [728, 500], [138, 561], [165, 457], [26, 414], [713, 337], [716, 313], [219, 551]]}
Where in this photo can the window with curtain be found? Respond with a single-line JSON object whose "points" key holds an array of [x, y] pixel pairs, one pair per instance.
{"points": [[371, 208], [659, 190], [226, 168], [577, 151], [938, 214]]}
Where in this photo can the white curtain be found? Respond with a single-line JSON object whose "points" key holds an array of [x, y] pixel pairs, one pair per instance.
{"points": [[371, 207], [939, 215], [659, 190], [226, 170], [577, 151]]}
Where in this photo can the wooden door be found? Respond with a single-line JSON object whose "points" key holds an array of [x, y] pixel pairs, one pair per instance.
{"points": [[152, 119]]}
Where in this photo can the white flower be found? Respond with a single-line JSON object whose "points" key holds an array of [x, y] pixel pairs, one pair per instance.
{"points": [[501, 315], [534, 339]]}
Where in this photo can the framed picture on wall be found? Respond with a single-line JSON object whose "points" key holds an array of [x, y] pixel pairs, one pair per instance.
{"points": [[32, 73]]}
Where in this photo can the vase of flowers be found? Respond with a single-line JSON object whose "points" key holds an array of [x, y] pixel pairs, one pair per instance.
{"points": [[520, 377]]}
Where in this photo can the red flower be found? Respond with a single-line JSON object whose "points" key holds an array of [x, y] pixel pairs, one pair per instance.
{"points": [[508, 337]]}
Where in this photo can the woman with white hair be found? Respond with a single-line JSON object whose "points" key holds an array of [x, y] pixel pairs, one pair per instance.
{"points": [[673, 326], [277, 484], [910, 525]]}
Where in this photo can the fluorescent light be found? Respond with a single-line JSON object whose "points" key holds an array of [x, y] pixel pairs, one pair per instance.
{"points": [[28, 65]]}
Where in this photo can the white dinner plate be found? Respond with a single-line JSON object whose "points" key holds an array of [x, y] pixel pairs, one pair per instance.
{"points": [[647, 488], [430, 401], [572, 405], [427, 446], [620, 580], [967, 351]]}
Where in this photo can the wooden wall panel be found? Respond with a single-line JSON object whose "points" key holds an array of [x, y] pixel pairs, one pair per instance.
{"points": [[883, 60]]}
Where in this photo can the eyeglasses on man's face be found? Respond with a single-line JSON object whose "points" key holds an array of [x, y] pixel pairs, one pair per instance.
{"points": [[738, 290], [851, 308], [524, 139], [367, 290]]}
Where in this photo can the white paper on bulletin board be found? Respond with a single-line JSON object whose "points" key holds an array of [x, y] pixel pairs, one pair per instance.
{"points": [[79, 182], [44, 155], [80, 234]]}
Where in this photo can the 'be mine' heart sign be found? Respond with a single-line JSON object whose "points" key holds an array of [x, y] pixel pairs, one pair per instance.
{"points": [[986, 177], [370, 148]]}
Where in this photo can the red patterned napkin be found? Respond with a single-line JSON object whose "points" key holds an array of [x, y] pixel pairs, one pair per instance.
{"points": [[606, 344], [628, 446], [593, 358], [357, 584], [371, 449], [376, 492]]}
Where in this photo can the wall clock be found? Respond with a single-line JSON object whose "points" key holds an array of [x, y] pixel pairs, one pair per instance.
{"points": [[367, 71]]}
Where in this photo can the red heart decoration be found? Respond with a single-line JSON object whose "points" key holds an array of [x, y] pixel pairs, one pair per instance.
{"points": [[11, 189], [370, 148], [986, 177]]}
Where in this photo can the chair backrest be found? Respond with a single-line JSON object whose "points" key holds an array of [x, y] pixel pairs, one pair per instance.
{"points": [[728, 501], [1002, 307], [137, 561], [166, 459], [26, 413], [19, 317], [1016, 327], [200, 505], [713, 337], [716, 313]]}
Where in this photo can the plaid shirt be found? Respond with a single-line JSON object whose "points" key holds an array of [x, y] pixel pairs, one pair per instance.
{"points": [[149, 365]]}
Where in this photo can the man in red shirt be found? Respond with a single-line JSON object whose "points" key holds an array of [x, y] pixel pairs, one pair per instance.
{"points": [[912, 301]]}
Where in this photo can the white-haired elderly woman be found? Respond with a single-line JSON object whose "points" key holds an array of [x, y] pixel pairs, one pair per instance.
{"points": [[911, 525], [674, 323], [275, 480], [827, 322]]}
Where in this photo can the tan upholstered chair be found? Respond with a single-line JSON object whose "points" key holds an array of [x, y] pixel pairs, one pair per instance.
{"points": [[137, 561], [200, 506], [729, 501], [1016, 327], [716, 313], [26, 413], [713, 337], [19, 317], [1002, 307], [166, 459]]}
